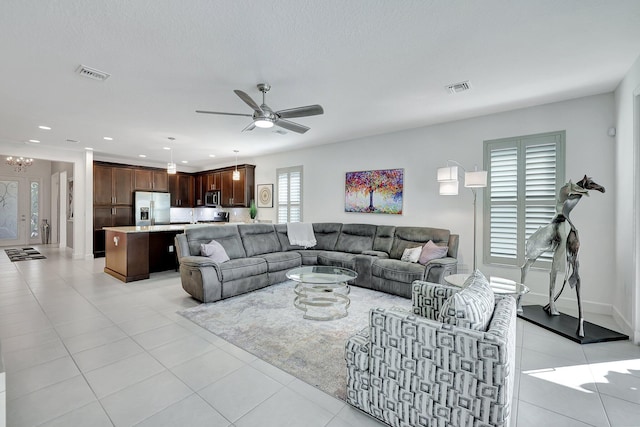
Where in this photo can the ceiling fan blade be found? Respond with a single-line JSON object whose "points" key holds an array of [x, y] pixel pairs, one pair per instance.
{"points": [[250, 102], [225, 114], [295, 127], [249, 127], [309, 110]]}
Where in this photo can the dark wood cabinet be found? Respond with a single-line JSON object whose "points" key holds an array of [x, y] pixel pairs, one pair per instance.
{"points": [[150, 180], [181, 189], [108, 216], [237, 193]]}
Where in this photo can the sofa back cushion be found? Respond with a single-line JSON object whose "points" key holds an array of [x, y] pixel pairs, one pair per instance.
{"points": [[384, 238], [259, 239], [326, 234], [227, 235], [410, 237], [356, 238], [453, 245]]}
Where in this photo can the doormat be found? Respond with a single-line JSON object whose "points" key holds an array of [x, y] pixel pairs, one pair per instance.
{"points": [[23, 254]]}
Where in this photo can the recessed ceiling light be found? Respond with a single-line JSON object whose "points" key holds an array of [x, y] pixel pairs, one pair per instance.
{"points": [[35, 141], [166, 148], [44, 127], [142, 155], [108, 138], [185, 161], [212, 155]]}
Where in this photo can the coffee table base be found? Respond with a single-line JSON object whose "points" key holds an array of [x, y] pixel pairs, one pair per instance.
{"points": [[322, 302]]}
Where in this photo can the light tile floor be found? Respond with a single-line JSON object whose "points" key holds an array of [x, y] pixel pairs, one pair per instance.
{"points": [[84, 349]]}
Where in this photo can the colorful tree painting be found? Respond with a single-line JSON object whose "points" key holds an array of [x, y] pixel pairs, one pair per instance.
{"points": [[377, 191]]}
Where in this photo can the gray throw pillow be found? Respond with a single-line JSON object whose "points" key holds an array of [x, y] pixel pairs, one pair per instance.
{"points": [[215, 251], [472, 307], [411, 254]]}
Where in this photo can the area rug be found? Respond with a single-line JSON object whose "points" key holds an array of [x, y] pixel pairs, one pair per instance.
{"points": [[23, 254], [266, 324]]}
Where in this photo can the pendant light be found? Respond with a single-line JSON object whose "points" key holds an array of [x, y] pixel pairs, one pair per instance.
{"points": [[236, 173], [171, 167]]}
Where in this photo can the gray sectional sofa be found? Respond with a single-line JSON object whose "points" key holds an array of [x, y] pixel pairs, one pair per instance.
{"points": [[260, 255]]}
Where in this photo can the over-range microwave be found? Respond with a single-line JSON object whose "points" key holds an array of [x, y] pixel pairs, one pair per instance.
{"points": [[212, 198]]}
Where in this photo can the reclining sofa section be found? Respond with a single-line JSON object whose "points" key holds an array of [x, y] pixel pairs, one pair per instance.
{"points": [[260, 255]]}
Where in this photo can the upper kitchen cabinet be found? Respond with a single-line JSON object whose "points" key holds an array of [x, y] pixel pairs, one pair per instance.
{"points": [[237, 193], [112, 185], [151, 180], [182, 190]]}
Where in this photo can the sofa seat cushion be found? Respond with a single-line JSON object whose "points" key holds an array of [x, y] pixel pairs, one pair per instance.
{"points": [[397, 271], [279, 261], [337, 259], [241, 268], [310, 256]]}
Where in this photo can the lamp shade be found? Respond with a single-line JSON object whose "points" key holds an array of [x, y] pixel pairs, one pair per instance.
{"points": [[475, 179], [450, 173], [263, 123], [171, 168], [449, 188]]}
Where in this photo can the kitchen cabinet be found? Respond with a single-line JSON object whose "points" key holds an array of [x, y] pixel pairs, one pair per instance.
{"points": [[150, 180], [108, 216], [112, 185], [237, 193], [181, 189]]}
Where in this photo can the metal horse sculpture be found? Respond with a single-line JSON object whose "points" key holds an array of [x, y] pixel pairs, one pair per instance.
{"points": [[560, 237]]}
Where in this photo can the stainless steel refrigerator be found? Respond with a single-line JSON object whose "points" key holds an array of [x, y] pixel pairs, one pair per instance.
{"points": [[152, 208]]}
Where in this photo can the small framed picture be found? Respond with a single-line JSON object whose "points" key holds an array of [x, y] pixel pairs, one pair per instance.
{"points": [[265, 195]]}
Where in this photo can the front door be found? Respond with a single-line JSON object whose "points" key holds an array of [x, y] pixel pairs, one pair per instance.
{"points": [[13, 211]]}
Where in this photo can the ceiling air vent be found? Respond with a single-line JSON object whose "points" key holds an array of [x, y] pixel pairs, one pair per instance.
{"points": [[92, 73], [459, 87]]}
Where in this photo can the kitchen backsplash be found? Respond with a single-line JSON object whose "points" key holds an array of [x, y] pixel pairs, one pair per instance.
{"points": [[188, 215]]}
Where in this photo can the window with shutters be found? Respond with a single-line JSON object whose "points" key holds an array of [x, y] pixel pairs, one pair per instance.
{"points": [[289, 194], [524, 176]]}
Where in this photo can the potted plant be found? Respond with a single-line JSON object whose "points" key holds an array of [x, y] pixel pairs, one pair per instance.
{"points": [[253, 210]]}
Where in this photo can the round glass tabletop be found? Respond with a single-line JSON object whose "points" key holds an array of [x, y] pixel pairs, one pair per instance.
{"points": [[321, 274]]}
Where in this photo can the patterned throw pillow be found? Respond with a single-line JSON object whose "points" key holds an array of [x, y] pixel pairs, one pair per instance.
{"points": [[472, 307], [432, 251], [411, 254], [215, 251]]}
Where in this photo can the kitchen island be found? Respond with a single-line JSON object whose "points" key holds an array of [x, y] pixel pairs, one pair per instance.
{"points": [[133, 252]]}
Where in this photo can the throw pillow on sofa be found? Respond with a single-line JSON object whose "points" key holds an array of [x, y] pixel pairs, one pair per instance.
{"points": [[215, 251], [472, 307], [432, 251], [411, 254]]}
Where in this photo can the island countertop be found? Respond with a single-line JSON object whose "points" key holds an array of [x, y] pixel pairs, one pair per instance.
{"points": [[160, 228]]}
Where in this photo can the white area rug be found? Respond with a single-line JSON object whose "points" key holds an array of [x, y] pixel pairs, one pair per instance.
{"points": [[266, 324]]}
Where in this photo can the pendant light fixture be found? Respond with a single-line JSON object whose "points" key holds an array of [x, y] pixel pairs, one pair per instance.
{"points": [[171, 167], [236, 173]]}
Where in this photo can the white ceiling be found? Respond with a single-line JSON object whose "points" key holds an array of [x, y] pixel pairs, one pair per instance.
{"points": [[376, 66]]}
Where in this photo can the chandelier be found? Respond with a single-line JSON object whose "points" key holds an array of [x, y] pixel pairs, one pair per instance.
{"points": [[19, 163]]}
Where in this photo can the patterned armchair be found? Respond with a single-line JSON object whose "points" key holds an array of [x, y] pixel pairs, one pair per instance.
{"points": [[409, 369]]}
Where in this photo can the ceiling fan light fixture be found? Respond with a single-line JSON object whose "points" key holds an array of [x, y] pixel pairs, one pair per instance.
{"points": [[263, 123]]}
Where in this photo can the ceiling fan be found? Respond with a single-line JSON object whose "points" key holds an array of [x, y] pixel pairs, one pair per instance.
{"points": [[265, 117]]}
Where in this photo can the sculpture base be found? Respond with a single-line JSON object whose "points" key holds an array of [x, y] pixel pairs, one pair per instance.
{"points": [[567, 326]]}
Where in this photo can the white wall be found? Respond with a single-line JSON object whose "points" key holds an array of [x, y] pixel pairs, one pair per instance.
{"points": [[421, 151], [627, 233]]}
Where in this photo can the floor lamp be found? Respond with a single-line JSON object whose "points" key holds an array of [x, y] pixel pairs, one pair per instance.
{"points": [[448, 177]]}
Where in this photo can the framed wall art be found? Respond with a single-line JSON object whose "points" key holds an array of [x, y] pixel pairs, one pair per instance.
{"points": [[375, 191], [265, 195]]}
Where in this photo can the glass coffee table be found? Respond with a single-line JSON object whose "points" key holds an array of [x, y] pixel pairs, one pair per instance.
{"points": [[322, 292]]}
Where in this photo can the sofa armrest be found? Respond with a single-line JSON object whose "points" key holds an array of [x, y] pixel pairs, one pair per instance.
{"points": [[428, 298], [196, 261], [378, 254], [437, 269], [357, 350]]}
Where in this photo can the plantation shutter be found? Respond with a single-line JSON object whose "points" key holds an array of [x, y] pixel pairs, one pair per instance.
{"points": [[289, 194], [525, 174]]}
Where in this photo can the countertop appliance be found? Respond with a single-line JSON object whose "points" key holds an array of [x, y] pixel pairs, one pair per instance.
{"points": [[212, 198], [221, 217], [152, 208]]}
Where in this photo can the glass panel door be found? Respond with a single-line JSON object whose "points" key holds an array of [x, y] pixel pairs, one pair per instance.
{"points": [[13, 217]]}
